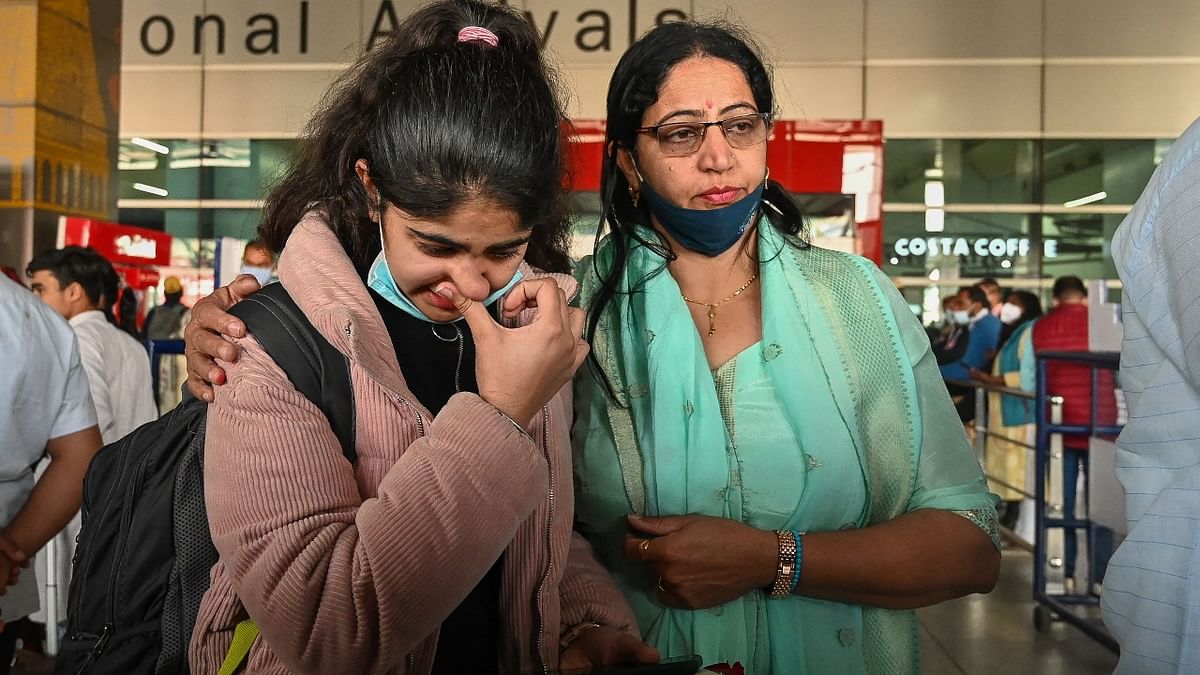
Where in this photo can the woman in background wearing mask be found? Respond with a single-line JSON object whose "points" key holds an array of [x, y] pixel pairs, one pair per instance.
{"points": [[950, 342], [258, 262], [1010, 418]]}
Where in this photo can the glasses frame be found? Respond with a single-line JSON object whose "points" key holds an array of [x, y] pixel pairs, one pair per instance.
{"points": [[704, 126]]}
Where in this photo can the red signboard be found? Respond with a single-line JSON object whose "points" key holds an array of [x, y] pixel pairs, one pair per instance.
{"points": [[120, 244]]}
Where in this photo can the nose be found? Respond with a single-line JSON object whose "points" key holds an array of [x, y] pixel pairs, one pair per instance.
{"points": [[715, 153], [471, 280]]}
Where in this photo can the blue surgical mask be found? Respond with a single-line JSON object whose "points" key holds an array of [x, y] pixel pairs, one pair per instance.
{"points": [[263, 274], [707, 231], [379, 279]]}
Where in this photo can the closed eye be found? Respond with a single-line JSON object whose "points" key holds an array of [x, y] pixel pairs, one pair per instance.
{"points": [[436, 251]]}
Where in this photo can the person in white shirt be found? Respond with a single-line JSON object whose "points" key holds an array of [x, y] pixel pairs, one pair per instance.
{"points": [[81, 285], [1151, 599], [45, 409]]}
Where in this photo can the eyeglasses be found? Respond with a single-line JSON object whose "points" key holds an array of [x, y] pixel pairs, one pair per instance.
{"points": [[679, 139]]}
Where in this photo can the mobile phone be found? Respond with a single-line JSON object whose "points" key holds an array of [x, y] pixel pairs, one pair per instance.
{"points": [[680, 665]]}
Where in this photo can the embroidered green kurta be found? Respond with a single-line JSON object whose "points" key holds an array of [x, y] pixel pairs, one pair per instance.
{"points": [[837, 419]]}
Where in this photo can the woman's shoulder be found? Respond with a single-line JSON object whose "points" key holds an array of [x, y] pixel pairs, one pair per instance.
{"points": [[568, 282]]}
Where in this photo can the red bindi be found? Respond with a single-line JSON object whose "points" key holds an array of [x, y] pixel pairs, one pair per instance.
{"points": [[708, 103]]}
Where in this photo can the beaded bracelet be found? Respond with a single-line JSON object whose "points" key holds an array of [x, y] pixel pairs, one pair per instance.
{"points": [[799, 537]]}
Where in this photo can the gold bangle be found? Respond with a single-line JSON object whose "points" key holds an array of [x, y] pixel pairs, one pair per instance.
{"points": [[787, 565]]}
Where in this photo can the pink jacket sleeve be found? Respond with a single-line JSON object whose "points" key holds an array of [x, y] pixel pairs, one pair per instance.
{"points": [[341, 584], [589, 594]]}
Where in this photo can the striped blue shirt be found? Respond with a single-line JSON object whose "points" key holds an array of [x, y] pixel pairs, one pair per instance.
{"points": [[1151, 595]]}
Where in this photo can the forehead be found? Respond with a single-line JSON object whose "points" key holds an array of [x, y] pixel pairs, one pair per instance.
{"points": [[476, 221], [696, 81], [257, 253], [45, 278]]}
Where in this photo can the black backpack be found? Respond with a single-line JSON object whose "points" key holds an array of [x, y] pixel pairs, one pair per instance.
{"points": [[144, 549]]}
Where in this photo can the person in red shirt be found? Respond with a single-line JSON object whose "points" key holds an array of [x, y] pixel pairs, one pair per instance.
{"points": [[1065, 329]]}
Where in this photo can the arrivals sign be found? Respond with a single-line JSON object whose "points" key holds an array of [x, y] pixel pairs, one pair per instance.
{"points": [[226, 32]]}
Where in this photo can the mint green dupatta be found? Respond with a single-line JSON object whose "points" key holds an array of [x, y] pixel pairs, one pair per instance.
{"points": [[825, 315]]}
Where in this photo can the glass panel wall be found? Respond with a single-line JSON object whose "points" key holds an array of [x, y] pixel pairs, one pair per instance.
{"points": [[971, 171]]}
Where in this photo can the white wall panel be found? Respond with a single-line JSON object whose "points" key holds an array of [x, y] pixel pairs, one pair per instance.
{"points": [[939, 101], [910, 29], [1118, 101], [586, 90], [797, 30], [261, 104], [819, 92], [1119, 28], [160, 104]]}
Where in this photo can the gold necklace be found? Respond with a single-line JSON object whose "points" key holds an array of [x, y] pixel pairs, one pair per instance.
{"points": [[712, 306]]}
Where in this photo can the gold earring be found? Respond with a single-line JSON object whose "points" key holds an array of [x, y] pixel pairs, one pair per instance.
{"points": [[634, 195]]}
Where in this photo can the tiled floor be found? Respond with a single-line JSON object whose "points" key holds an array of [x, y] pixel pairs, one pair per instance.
{"points": [[986, 634]]}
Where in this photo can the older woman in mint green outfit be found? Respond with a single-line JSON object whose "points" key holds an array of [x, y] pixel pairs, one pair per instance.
{"points": [[745, 383]]}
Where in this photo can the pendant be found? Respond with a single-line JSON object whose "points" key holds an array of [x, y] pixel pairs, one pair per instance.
{"points": [[712, 319]]}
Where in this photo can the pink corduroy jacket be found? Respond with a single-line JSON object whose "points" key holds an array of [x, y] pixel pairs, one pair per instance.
{"points": [[352, 569]]}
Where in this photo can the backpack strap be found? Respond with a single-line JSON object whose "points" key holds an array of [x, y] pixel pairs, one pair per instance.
{"points": [[239, 650], [315, 367]]}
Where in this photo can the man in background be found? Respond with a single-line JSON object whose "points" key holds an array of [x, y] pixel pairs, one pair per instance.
{"points": [[1151, 597], [983, 332], [45, 410], [166, 321], [81, 285], [995, 298], [1065, 329]]}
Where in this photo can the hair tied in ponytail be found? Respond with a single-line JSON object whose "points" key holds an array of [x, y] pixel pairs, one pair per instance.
{"points": [[478, 34]]}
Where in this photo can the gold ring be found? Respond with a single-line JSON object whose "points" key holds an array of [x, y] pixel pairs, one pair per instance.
{"points": [[643, 547]]}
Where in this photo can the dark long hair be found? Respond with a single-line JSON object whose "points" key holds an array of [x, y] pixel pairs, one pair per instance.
{"points": [[127, 311], [633, 89], [438, 122]]}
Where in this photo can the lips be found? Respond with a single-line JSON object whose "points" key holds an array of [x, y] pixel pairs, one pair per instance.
{"points": [[440, 302], [721, 195]]}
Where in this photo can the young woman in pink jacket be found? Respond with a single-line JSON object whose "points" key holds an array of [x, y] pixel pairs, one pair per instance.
{"points": [[421, 223]]}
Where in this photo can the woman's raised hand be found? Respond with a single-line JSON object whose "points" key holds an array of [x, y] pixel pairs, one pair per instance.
{"points": [[520, 369]]}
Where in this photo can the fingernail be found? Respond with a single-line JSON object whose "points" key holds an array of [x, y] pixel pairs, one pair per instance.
{"points": [[444, 291]]}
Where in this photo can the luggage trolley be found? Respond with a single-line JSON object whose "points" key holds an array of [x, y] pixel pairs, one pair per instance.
{"points": [[1049, 502]]}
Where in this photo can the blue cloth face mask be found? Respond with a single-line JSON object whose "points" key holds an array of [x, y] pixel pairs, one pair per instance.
{"points": [[707, 231], [379, 279], [263, 274]]}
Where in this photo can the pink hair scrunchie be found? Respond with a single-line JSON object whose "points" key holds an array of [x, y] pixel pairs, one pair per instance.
{"points": [[478, 34]]}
